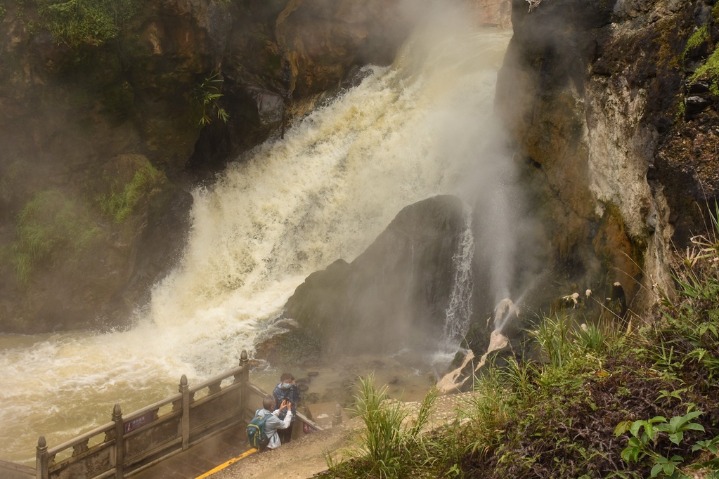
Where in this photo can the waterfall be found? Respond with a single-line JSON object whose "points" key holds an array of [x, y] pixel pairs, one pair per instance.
{"points": [[287, 208], [459, 310]]}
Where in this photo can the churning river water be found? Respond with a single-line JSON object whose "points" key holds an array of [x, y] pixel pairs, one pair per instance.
{"points": [[290, 207]]}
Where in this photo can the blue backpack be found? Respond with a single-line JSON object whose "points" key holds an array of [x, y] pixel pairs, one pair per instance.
{"points": [[256, 435]]}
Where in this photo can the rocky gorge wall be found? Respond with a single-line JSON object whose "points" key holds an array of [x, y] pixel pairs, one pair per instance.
{"points": [[112, 112], [595, 96]]}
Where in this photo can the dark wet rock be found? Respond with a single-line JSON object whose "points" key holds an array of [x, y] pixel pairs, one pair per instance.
{"points": [[695, 104], [393, 294], [696, 87]]}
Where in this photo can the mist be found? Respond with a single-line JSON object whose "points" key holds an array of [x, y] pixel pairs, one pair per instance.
{"points": [[421, 127]]}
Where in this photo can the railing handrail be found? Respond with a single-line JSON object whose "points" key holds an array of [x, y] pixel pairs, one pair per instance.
{"points": [[217, 378], [189, 422], [139, 412], [151, 407], [81, 438]]}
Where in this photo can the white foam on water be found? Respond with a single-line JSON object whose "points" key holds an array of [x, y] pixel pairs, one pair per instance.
{"points": [[288, 208]]}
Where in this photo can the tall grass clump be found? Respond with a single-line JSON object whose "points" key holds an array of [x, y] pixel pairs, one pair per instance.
{"points": [[389, 436], [688, 335], [487, 413]]}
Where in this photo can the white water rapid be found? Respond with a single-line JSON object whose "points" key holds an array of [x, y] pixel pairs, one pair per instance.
{"points": [[291, 207]]}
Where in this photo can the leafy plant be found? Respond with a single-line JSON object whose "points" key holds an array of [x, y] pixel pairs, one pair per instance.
{"points": [[592, 337], [668, 467], [644, 439], [208, 96], [643, 434], [678, 425], [553, 335], [488, 412]]}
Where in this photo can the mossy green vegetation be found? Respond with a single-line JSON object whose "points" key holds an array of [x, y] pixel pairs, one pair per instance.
{"points": [[709, 69], [697, 39], [124, 198], [85, 22], [50, 224], [599, 398]]}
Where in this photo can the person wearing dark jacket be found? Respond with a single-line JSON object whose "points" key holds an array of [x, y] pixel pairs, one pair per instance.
{"points": [[286, 390]]}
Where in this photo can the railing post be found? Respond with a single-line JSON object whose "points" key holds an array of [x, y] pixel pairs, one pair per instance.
{"points": [[185, 425], [244, 382], [119, 442], [41, 461], [337, 418]]}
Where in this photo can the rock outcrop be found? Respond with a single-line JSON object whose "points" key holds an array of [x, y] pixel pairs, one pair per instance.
{"points": [[393, 295], [496, 13], [590, 92]]}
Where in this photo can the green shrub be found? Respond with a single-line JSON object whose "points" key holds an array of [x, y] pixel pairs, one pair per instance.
{"points": [[124, 198], [50, 223], [85, 22]]}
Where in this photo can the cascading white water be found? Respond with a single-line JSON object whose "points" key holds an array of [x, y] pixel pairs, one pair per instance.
{"points": [[291, 207], [459, 310]]}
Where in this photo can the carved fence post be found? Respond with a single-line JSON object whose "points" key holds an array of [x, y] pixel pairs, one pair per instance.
{"points": [[244, 383], [41, 461], [119, 441], [185, 423], [337, 418]]}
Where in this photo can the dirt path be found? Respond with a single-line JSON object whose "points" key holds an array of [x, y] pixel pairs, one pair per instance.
{"points": [[305, 457]]}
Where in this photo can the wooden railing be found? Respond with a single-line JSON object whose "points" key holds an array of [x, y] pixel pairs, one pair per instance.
{"points": [[134, 442]]}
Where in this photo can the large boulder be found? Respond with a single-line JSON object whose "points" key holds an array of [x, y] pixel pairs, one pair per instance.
{"points": [[393, 295]]}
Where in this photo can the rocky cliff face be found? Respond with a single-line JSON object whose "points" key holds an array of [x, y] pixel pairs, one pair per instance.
{"points": [[109, 117], [493, 12], [594, 94]]}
